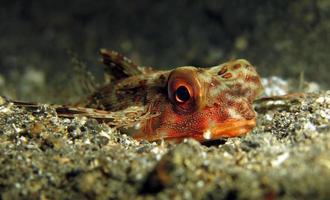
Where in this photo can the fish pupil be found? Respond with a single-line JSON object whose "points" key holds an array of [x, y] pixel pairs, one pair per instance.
{"points": [[182, 94]]}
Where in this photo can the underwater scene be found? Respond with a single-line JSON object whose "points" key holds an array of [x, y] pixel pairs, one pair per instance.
{"points": [[215, 99]]}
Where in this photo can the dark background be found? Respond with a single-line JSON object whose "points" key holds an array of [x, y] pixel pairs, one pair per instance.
{"points": [[282, 38]]}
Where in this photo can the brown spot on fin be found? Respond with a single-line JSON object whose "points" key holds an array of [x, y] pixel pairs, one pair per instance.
{"points": [[118, 66]]}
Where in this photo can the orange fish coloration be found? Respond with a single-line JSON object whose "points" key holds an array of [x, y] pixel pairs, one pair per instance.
{"points": [[187, 102]]}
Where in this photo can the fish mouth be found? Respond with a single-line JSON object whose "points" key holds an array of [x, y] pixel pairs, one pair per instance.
{"points": [[229, 128]]}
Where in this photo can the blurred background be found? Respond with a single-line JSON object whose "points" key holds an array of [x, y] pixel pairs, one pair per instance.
{"points": [[289, 39]]}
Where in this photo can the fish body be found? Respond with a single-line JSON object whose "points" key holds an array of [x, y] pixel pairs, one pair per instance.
{"points": [[186, 102]]}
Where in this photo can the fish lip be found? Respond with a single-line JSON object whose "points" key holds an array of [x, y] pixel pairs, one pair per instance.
{"points": [[226, 129], [230, 128]]}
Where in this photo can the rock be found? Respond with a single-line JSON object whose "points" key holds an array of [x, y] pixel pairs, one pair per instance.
{"points": [[285, 156]]}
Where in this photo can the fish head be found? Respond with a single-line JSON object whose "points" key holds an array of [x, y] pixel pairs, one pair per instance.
{"points": [[205, 103]]}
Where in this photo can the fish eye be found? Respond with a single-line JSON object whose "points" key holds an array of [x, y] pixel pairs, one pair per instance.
{"points": [[184, 90], [182, 94]]}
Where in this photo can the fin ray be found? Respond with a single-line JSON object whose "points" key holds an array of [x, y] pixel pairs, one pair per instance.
{"points": [[119, 66]]}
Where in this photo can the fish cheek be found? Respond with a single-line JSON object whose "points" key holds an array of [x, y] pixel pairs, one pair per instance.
{"points": [[169, 123]]}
